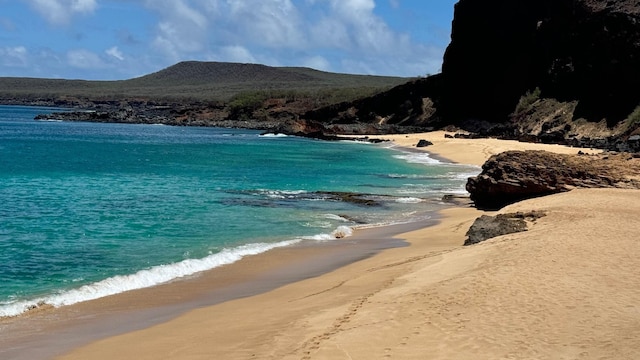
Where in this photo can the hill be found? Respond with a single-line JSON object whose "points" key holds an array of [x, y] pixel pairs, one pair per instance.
{"points": [[197, 81]]}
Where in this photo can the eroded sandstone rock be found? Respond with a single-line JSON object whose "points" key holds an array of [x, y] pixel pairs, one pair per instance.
{"points": [[486, 227], [512, 176]]}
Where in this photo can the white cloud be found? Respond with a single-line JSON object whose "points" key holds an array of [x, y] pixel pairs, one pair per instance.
{"points": [[85, 59], [276, 31], [60, 11], [14, 56], [237, 54], [270, 23], [332, 35], [182, 29], [83, 6], [115, 52], [317, 62], [329, 32], [367, 32]]}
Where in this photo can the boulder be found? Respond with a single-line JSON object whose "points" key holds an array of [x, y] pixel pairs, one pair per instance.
{"points": [[487, 227], [424, 143], [512, 176]]}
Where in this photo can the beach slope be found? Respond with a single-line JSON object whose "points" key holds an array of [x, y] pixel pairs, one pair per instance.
{"points": [[565, 289]]}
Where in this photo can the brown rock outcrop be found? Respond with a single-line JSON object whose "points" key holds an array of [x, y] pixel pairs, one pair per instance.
{"points": [[512, 176], [486, 227]]}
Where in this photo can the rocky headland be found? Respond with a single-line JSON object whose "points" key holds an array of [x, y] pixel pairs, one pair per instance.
{"points": [[551, 71]]}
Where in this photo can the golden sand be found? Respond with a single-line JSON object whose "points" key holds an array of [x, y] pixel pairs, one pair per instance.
{"points": [[565, 289]]}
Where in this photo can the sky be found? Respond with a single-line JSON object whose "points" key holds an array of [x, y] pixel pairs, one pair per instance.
{"points": [[123, 39]]}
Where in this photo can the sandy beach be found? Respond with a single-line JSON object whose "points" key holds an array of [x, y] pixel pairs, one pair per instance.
{"points": [[565, 289]]}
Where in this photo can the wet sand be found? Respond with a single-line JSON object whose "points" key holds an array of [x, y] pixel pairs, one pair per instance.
{"points": [[42, 334]]}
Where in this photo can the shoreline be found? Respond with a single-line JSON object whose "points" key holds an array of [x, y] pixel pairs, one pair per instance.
{"points": [[563, 289], [43, 304], [58, 330], [395, 250], [452, 226]]}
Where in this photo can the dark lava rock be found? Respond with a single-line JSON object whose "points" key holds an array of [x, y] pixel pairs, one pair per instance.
{"points": [[582, 54], [584, 50], [424, 143], [487, 227]]}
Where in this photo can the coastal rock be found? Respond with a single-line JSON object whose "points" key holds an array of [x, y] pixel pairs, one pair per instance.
{"points": [[512, 176], [487, 227], [305, 128], [424, 143]]}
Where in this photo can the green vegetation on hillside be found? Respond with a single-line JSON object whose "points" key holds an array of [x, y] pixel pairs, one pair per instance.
{"points": [[206, 81]]}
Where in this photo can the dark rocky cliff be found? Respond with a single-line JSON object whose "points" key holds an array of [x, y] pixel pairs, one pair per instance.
{"points": [[579, 61], [584, 50]]}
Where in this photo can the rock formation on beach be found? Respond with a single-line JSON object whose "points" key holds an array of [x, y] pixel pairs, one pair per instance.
{"points": [[517, 175], [487, 227]]}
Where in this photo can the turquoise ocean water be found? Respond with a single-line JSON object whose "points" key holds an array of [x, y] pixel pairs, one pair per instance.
{"points": [[88, 210]]}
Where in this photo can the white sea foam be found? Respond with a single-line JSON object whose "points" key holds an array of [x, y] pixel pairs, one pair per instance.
{"points": [[271, 135], [426, 191], [409, 200], [142, 279], [417, 158], [466, 175], [338, 233], [336, 217], [158, 274], [280, 194]]}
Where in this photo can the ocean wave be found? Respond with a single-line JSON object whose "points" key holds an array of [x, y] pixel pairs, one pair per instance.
{"points": [[336, 217], [417, 158], [339, 233], [277, 194], [142, 279], [409, 200], [465, 175], [416, 176], [158, 275], [272, 135], [430, 191]]}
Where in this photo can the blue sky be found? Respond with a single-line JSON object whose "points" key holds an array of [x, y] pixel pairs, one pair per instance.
{"points": [[121, 39]]}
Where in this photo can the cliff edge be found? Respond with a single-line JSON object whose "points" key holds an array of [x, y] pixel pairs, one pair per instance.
{"points": [[562, 71]]}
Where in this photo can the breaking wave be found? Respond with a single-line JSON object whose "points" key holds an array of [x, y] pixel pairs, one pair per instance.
{"points": [[157, 275]]}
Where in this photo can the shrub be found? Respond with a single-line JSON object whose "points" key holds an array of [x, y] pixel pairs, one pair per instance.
{"points": [[528, 99], [633, 120]]}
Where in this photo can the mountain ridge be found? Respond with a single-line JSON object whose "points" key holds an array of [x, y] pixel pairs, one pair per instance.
{"points": [[195, 80]]}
